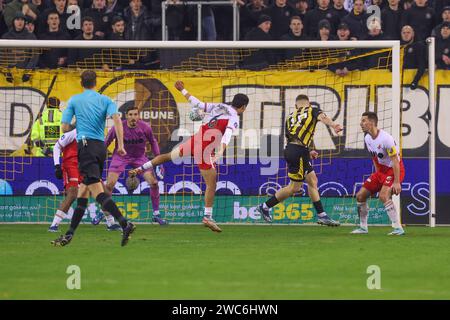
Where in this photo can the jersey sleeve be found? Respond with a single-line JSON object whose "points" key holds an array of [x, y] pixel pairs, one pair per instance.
{"points": [[205, 106], [111, 107], [110, 136], [389, 145], [233, 124], [316, 111], [63, 142], [68, 113]]}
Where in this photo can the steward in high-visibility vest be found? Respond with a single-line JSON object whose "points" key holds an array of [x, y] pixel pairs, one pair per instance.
{"points": [[47, 129]]}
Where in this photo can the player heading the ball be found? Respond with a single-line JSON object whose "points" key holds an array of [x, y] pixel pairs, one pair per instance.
{"points": [[220, 120], [387, 177]]}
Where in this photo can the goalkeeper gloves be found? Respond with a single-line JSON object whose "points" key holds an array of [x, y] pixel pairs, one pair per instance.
{"points": [[58, 172]]}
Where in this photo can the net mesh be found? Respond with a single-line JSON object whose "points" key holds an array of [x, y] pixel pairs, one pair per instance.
{"points": [[342, 82]]}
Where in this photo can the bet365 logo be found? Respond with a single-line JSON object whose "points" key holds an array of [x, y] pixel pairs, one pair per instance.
{"points": [[292, 211]]}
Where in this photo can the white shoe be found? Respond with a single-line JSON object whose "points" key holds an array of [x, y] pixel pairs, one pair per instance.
{"points": [[397, 232], [359, 230]]}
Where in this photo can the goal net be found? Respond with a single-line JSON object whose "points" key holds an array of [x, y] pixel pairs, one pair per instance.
{"points": [[343, 78]]}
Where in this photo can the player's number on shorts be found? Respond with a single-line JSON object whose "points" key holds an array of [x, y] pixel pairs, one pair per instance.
{"points": [[129, 210], [293, 211]]}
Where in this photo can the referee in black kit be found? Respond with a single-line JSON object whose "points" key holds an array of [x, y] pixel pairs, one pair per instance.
{"points": [[91, 110]]}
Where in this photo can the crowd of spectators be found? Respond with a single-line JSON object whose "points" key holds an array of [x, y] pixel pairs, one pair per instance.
{"points": [[410, 21]]}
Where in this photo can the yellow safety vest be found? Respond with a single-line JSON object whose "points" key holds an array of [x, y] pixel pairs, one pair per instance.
{"points": [[47, 129]]}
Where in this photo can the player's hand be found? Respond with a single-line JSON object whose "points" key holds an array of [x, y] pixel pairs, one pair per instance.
{"points": [[396, 188], [160, 171], [121, 151], [337, 128], [179, 85], [58, 172], [135, 171], [313, 154]]}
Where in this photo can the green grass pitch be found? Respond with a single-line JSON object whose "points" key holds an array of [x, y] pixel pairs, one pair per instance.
{"points": [[243, 262]]}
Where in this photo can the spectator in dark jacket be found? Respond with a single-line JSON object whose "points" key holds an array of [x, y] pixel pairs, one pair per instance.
{"points": [[312, 18], [391, 20], [26, 7], [324, 31], [445, 18], [414, 54], [60, 7], [421, 18], [339, 9], [443, 48], [55, 57], [295, 34], [138, 21], [18, 57], [439, 6], [280, 13], [261, 58], [249, 15], [102, 19], [79, 56], [357, 20]]}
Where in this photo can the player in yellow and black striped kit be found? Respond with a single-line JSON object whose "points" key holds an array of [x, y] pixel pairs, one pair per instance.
{"points": [[300, 128]]}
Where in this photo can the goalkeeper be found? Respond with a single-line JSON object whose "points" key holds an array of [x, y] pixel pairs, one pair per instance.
{"points": [[220, 120], [136, 134]]}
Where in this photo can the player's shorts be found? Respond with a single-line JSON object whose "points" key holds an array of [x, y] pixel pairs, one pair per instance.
{"points": [[118, 163], [71, 176], [379, 179], [91, 159], [298, 161], [202, 150]]}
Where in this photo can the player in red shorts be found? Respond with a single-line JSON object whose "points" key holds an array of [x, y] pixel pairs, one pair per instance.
{"points": [[386, 179], [68, 172], [220, 120]]}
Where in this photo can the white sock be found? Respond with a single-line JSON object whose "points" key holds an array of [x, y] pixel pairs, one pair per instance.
{"points": [[147, 165], [363, 211], [156, 213], [392, 213], [208, 212], [322, 214], [59, 216], [109, 220]]}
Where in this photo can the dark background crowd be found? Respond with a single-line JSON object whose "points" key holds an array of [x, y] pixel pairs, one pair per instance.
{"points": [[410, 21]]}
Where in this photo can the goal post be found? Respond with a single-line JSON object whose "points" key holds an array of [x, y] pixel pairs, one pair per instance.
{"points": [[214, 75]]}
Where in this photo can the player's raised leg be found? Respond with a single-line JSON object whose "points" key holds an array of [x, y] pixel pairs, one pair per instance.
{"points": [[385, 197], [363, 211], [210, 177], [111, 224], [313, 192], [152, 181]]}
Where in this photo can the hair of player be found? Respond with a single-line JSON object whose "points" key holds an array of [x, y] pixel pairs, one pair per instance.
{"points": [[88, 79], [240, 100], [372, 116], [301, 97], [131, 107]]}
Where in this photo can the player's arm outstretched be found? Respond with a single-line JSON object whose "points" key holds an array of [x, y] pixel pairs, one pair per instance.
{"points": [[327, 121], [119, 134], [196, 104]]}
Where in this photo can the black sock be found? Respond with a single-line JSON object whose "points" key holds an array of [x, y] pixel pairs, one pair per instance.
{"points": [[272, 202], [108, 205], [318, 206], [77, 215]]}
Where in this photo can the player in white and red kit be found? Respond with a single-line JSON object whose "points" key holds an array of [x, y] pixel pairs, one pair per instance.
{"points": [[67, 145], [219, 122], [388, 176]]}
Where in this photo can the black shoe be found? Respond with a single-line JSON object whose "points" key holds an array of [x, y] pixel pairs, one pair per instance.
{"points": [[265, 213], [129, 229], [62, 240]]}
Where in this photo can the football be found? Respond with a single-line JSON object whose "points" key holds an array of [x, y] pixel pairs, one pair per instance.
{"points": [[132, 182]]}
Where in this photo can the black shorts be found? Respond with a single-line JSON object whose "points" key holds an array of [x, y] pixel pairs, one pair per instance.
{"points": [[298, 161], [91, 158]]}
